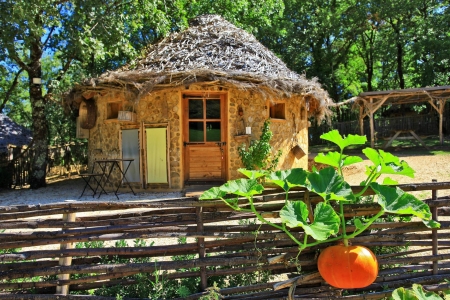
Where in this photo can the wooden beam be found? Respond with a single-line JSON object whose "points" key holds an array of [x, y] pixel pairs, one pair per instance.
{"points": [[441, 121], [361, 120], [379, 103], [372, 131]]}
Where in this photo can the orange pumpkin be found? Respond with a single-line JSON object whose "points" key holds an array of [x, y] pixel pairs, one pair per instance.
{"points": [[348, 267]]}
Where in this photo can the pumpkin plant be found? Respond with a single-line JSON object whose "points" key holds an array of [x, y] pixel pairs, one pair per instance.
{"points": [[343, 265], [417, 293]]}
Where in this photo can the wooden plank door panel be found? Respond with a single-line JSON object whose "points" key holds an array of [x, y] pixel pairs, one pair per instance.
{"points": [[156, 155], [205, 163], [130, 149]]}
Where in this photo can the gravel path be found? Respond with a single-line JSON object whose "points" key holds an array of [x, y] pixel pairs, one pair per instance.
{"points": [[70, 190]]}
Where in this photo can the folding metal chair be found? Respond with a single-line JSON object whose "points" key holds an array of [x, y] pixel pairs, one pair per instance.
{"points": [[87, 178]]}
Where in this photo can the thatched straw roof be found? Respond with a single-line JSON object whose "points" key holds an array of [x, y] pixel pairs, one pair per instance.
{"points": [[12, 134], [211, 50]]}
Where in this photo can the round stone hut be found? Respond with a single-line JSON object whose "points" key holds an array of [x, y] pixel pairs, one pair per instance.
{"points": [[183, 109]]}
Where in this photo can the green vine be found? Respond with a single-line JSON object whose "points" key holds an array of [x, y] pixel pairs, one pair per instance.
{"points": [[329, 184]]}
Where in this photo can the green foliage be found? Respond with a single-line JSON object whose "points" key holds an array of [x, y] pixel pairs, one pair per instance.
{"points": [[358, 46], [213, 293], [90, 244], [259, 154], [9, 251], [330, 184]]}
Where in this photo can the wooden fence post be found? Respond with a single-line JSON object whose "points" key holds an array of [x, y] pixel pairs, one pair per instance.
{"points": [[434, 232], [65, 261], [201, 248]]}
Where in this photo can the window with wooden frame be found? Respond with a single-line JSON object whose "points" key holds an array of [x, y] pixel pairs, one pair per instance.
{"points": [[112, 109], [277, 110]]}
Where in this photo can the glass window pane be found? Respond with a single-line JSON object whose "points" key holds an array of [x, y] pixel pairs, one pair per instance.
{"points": [[213, 132], [196, 132], [213, 109], [195, 109]]}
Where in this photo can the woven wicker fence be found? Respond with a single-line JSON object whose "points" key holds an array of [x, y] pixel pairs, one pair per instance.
{"points": [[221, 246]]}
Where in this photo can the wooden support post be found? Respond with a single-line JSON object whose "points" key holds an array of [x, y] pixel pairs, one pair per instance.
{"points": [[441, 121], [201, 248], [372, 127], [434, 233], [65, 261], [361, 120]]}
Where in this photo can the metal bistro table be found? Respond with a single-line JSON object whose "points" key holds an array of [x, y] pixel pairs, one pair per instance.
{"points": [[114, 163]]}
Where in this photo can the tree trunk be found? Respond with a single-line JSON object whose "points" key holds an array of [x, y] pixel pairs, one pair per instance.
{"points": [[40, 124], [401, 78]]}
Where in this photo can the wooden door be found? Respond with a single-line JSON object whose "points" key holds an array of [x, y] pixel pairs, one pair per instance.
{"points": [[156, 146], [130, 149], [204, 138]]}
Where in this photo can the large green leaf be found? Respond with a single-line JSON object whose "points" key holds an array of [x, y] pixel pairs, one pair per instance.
{"points": [[212, 193], [403, 294], [331, 158], [350, 160], [416, 293], [242, 187], [326, 221], [294, 214], [395, 200], [252, 174], [334, 137], [334, 159], [372, 155], [330, 185], [286, 179], [386, 163], [389, 181], [422, 295]]}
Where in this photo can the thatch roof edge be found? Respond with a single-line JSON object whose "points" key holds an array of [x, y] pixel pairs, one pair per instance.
{"points": [[142, 83]]}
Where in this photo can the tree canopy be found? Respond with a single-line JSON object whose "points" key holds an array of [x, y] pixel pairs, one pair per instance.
{"points": [[358, 46]]}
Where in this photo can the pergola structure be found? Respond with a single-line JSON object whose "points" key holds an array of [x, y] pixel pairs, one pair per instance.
{"points": [[370, 102]]}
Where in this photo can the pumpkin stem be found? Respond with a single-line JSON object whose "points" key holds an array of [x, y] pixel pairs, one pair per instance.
{"points": [[345, 242], [341, 214]]}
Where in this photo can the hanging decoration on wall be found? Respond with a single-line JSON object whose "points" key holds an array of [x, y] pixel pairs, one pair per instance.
{"points": [[88, 114]]}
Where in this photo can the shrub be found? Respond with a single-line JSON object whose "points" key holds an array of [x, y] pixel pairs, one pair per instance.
{"points": [[259, 154]]}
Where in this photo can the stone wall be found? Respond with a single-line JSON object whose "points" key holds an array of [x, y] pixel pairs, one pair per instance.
{"points": [[286, 133], [165, 107]]}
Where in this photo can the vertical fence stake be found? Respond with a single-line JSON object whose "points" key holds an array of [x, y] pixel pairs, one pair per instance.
{"points": [[308, 204], [65, 261], [201, 248], [434, 232]]}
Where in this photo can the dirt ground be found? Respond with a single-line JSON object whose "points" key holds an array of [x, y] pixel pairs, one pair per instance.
{"points": [[427, 167]]}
